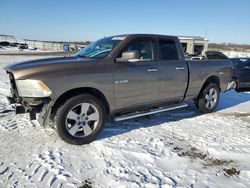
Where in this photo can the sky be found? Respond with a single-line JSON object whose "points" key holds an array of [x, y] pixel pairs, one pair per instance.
{"points": [[80, 20]]}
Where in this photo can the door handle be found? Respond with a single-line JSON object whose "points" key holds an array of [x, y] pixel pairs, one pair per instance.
{"points": [[180, 68], [152, 70]]}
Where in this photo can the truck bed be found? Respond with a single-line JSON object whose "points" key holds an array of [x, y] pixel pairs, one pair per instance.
{"points": [[200, 70]]}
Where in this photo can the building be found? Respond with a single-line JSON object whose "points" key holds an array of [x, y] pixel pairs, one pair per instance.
{"points": [[194, 45], [51, 45], [7, 38], [44, 45]]}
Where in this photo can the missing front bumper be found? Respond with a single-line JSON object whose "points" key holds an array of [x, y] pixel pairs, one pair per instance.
{"points": [[32, 106]]}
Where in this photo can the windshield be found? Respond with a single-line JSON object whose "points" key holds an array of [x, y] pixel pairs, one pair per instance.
{"points": [[101, 48]]}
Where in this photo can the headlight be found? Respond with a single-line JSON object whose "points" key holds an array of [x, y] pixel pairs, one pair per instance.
{"points": [[32, 88]]}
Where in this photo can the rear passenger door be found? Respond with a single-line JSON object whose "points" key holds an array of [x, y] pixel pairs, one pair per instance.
{"points": [[174, 71]]}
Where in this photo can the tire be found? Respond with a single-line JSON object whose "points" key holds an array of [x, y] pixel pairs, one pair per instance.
{"points": [[80, 119], [208, 98], [234, 84]]}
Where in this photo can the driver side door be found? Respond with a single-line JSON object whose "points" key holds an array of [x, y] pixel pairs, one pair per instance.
{"points": [[137, 83]]}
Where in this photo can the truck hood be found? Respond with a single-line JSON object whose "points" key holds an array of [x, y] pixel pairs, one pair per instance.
{"points": [[27, 69]]}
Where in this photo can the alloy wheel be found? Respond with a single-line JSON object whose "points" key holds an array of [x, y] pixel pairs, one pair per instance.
{"points": [[82, 120], [211, 98]]}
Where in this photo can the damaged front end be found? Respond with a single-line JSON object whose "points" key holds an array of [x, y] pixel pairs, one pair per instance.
{"points": [[30, 102]]}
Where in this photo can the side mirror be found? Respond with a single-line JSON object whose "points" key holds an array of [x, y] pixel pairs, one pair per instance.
{"points": [[129, 56]]}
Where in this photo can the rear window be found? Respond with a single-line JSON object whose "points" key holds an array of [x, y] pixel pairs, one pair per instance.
{"points": [[168, 50], [215, 55]]}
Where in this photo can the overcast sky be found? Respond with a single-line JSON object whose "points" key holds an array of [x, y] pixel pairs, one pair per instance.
{"points": [[217, 20]]}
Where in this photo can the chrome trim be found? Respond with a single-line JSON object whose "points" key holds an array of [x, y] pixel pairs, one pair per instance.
{"points": [[121, 81], [152, 70], [180, 68]]}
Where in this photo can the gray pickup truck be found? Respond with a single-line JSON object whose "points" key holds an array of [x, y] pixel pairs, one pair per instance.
{"points": [[115, 78]]}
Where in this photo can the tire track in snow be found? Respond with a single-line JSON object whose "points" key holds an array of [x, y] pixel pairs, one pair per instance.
{"points": [[46, 170], [14, 122], [9, 173]]}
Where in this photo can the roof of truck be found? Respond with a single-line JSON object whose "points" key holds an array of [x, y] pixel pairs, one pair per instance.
{"points": [[143, 35]]}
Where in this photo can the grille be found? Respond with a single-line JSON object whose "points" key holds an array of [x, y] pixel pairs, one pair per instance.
{"points": [[13, 88]]}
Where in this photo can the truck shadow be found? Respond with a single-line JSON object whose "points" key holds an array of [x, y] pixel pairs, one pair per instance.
{"points": [[117, 128], [232, 98], [227, 100]]}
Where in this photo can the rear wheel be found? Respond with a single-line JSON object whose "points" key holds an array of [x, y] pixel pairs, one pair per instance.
{"points": [[80, 119], [235, 85], [208, 98]]}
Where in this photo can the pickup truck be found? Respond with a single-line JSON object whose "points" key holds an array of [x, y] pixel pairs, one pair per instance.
{"points": [[115, 78]]}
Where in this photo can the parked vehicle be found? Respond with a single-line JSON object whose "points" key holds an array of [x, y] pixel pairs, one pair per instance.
{"points": [[115, 78], [215, 55], [4, 43], [14, 44], [23, 46], [241, 74]]}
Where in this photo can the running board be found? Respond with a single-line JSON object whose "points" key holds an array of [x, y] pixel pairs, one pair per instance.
{"points": [[149, 112]]}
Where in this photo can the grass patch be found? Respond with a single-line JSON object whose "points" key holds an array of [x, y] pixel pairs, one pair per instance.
{"points": [[236, 114], [86, 184], [194, 154], [231, 171], [177, 149], [217, 162]]}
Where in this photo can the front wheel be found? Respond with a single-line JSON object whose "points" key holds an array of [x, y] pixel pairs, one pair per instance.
{"points": [[208, 98], [80, 119]]}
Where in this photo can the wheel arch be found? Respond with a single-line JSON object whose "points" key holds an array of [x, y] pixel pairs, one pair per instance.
{"points": [[77, 91], [234, 78], [212, 79]]}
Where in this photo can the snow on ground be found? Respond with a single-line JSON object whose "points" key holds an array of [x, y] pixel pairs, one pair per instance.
{"points": [[230, 53], [181, 148], [10, 50]]}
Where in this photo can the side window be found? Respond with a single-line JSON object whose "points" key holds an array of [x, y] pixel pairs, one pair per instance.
{"points": [[145, 49], [168, 50]]}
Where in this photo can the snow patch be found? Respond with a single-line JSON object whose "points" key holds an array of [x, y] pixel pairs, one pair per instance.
{"points": [[181, 148]]}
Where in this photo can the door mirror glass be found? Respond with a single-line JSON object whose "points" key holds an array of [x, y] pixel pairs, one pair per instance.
{"points": [[129, 56]]}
